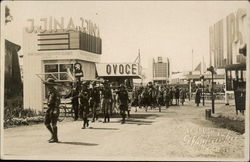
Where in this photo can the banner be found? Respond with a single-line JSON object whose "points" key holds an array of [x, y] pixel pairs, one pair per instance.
{"points": [[117, 69]]}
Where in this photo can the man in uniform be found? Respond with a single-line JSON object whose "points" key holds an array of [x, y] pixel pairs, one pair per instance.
{"points": [[107, 96], [53, 111], [123, 101], [74, 100], [84, 105], [94, 100]]}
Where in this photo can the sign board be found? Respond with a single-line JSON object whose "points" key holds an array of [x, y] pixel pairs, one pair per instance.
{"points": [[117, 69], [78, 70]]}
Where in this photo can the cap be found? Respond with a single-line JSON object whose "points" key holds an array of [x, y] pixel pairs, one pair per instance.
{"points": [[122, 85]]}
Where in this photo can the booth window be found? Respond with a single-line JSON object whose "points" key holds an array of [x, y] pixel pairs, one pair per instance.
{"points": [[58, 71]]}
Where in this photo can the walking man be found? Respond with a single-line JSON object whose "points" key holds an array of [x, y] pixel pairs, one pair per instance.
{"points": [[94, 100], [84, 105], [107, 97], [182, 95], [177, 95], [74, 100], [197, 96], [123, 102], [52, 114]]}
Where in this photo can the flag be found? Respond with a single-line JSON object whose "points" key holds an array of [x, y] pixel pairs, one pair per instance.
{"points": [[198, 68]]}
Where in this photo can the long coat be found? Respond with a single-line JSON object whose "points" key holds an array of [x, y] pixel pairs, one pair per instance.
{"points": [[197, 96]]}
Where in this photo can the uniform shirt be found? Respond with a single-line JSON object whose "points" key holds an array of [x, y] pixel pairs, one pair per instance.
{"points": [[107, 94], [53, 98], [74, 94], [95, 95], [123, 97], [84, 97]]}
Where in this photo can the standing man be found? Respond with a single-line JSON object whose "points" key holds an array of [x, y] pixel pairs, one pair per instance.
{"points": [[197, 96], [107, 97], [94, 100], [123, 101], [177, 95], [167, 97], [74, 100], [52, 114], [84, 105], [182, 95], [171, 95]]}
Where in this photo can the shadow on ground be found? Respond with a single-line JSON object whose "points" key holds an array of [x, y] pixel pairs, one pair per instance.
{"points": [[103, 128], [138, 122], [144, 116], [78, 143], [234, 125]]}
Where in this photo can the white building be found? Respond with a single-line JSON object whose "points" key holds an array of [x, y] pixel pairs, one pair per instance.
{"points": [[54, 54]]}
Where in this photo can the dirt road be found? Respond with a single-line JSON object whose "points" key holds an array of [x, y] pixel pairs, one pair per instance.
{"points": [[179, 132]]}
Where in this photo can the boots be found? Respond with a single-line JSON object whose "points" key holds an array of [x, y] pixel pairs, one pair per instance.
{"points": [[105, 119], [84, 123], [123, 118], [51, 131], [87, 122], [55, 139]]}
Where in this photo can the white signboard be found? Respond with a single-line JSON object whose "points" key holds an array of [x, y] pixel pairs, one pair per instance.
{"points": [[117, 69]]}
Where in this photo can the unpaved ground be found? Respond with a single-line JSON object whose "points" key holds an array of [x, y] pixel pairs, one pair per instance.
{"points": [[179, 132]]}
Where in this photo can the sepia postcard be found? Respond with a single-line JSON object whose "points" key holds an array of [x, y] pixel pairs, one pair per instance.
{"points": [[125, 80]]}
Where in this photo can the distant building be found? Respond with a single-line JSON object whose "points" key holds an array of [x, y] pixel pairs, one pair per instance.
{"points": [[161, 70]]}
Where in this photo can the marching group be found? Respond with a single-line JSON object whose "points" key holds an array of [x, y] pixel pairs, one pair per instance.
{"points": [[154, 96], [88, 98], [85, 97]]}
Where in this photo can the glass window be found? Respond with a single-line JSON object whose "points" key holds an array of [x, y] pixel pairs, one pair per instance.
{"points": [[64, 67], [51, 68]]}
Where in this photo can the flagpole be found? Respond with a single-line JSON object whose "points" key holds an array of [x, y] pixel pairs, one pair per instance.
{"points": [[203, 65], [192, 60]]}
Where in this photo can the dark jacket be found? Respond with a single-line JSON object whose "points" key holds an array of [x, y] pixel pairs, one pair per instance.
{"points": [[95, 95], [123, 97], [197, 96]]}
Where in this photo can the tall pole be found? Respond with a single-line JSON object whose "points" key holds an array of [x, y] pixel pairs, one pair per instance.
{"points": [[203, 102], [192, 59], [190, 90], [212, 92]]}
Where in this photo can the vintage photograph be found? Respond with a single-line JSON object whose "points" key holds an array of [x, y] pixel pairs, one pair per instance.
{"points": [[125, 80]]}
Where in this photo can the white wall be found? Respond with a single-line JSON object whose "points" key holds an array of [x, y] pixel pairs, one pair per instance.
{"points": [[33, 63]]}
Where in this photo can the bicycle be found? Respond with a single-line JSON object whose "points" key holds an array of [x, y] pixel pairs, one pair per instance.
{"points": [[65, 111]]}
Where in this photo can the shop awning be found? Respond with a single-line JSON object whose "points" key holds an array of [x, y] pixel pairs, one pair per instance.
{"points": [[122, 70]]}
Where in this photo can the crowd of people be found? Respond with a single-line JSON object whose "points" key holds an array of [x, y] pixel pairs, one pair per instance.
{"points": [[90, 99], [153, 96]]}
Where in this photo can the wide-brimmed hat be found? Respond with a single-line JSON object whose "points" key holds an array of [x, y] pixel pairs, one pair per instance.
{"points": [[105, 82], [122, 85]]}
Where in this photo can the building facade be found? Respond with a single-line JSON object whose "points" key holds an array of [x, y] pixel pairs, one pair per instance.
{"points": [[57, 54], [226, 37], [161, 70]]}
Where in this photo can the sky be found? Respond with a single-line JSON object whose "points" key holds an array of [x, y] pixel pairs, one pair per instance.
{"points": [[162, 28]]}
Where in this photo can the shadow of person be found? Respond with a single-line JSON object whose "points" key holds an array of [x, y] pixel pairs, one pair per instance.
{"points": [[104, 128], [78, 143]]}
